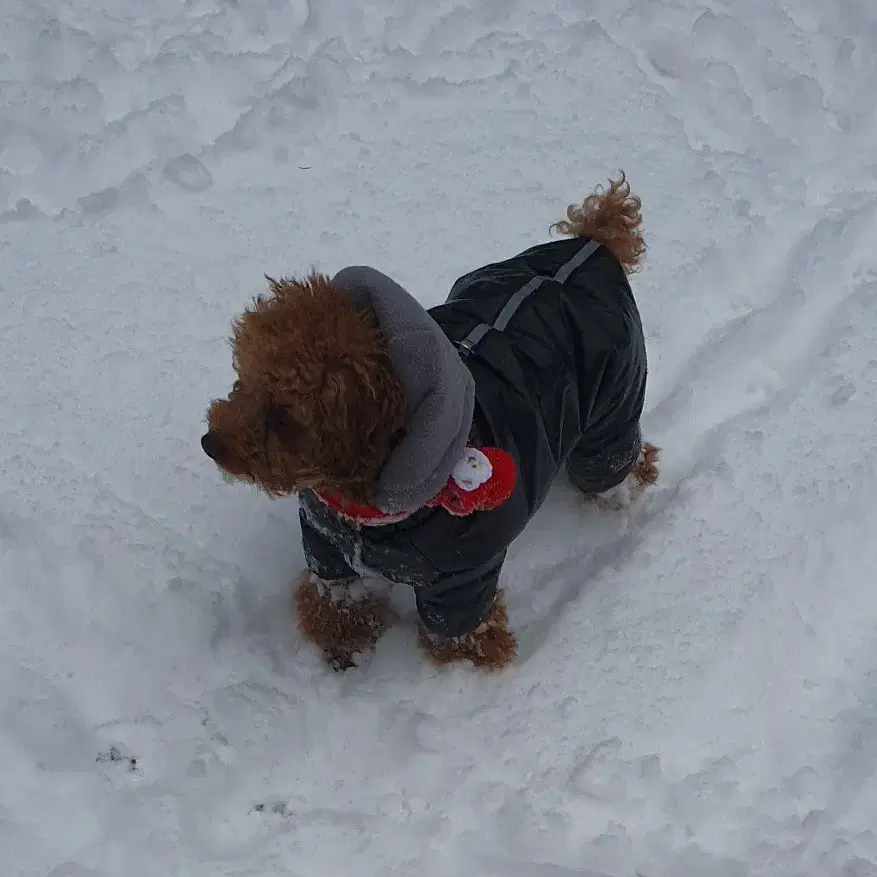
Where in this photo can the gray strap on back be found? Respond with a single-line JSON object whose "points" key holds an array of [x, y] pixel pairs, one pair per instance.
{"points": [[510, 308]]}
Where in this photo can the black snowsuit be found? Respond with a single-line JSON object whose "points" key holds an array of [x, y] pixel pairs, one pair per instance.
{"points": [[554, 342]]}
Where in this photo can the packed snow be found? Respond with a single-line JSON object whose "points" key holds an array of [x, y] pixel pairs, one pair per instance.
{"points": [[696, 694]]}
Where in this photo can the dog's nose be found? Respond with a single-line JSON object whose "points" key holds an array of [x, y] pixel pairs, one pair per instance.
{"points": [[209, 444]]}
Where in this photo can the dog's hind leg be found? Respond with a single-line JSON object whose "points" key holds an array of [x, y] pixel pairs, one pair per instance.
{"points": [[615, 473], [642, 476], [645, 470]]}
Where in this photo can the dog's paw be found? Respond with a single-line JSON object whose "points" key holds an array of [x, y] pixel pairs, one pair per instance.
{"points": [[643, 475], [620, 497], [341, 618], [645, 470], [491, 646]]}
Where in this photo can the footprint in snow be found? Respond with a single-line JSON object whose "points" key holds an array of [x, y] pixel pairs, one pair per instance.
{"points": [[115, 756]]}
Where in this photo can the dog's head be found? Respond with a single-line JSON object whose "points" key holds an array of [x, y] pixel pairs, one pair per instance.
{"points": [[316, 404]]}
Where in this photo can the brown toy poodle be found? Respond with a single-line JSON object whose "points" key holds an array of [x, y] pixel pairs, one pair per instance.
{"points": [[421, 442]]}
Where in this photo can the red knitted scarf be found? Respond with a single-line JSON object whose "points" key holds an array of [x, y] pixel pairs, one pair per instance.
{"points": [[483, 479]]}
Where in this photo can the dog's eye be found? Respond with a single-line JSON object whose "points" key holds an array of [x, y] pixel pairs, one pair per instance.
{"points": [[275, 417], [280, 422]]}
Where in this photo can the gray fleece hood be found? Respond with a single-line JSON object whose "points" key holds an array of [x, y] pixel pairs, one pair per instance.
{"points": [[439, 391]]}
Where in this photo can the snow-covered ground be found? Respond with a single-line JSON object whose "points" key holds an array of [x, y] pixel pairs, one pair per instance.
{"points": [[696, 694]]}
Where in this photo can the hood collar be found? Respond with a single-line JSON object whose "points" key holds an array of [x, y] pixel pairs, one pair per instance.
{"points": [[439, 392]]}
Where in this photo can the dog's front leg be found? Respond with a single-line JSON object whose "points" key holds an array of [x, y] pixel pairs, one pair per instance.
{"points": [[491, 646], [341, 618]]}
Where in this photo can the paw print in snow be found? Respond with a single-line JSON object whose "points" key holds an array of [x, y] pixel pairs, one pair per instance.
{"points": [[114, 756], [278, 808]]}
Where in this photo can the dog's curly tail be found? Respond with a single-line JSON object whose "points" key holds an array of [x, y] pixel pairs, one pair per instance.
{"points": [[612, 217]]}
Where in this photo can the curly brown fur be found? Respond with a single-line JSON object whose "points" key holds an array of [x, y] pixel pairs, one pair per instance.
{"points": [[342, 627], [645, 471], [491, 646], [316, 403], [613, 218]]}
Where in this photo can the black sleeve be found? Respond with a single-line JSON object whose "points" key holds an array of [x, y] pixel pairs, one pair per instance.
{"points": [[456, 604], [611, 439], [598, 468], [620, 398], [324, 560], [467, 555]]}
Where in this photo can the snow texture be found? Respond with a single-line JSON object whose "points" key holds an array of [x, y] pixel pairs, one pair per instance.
{"points": [[696, 694]]}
